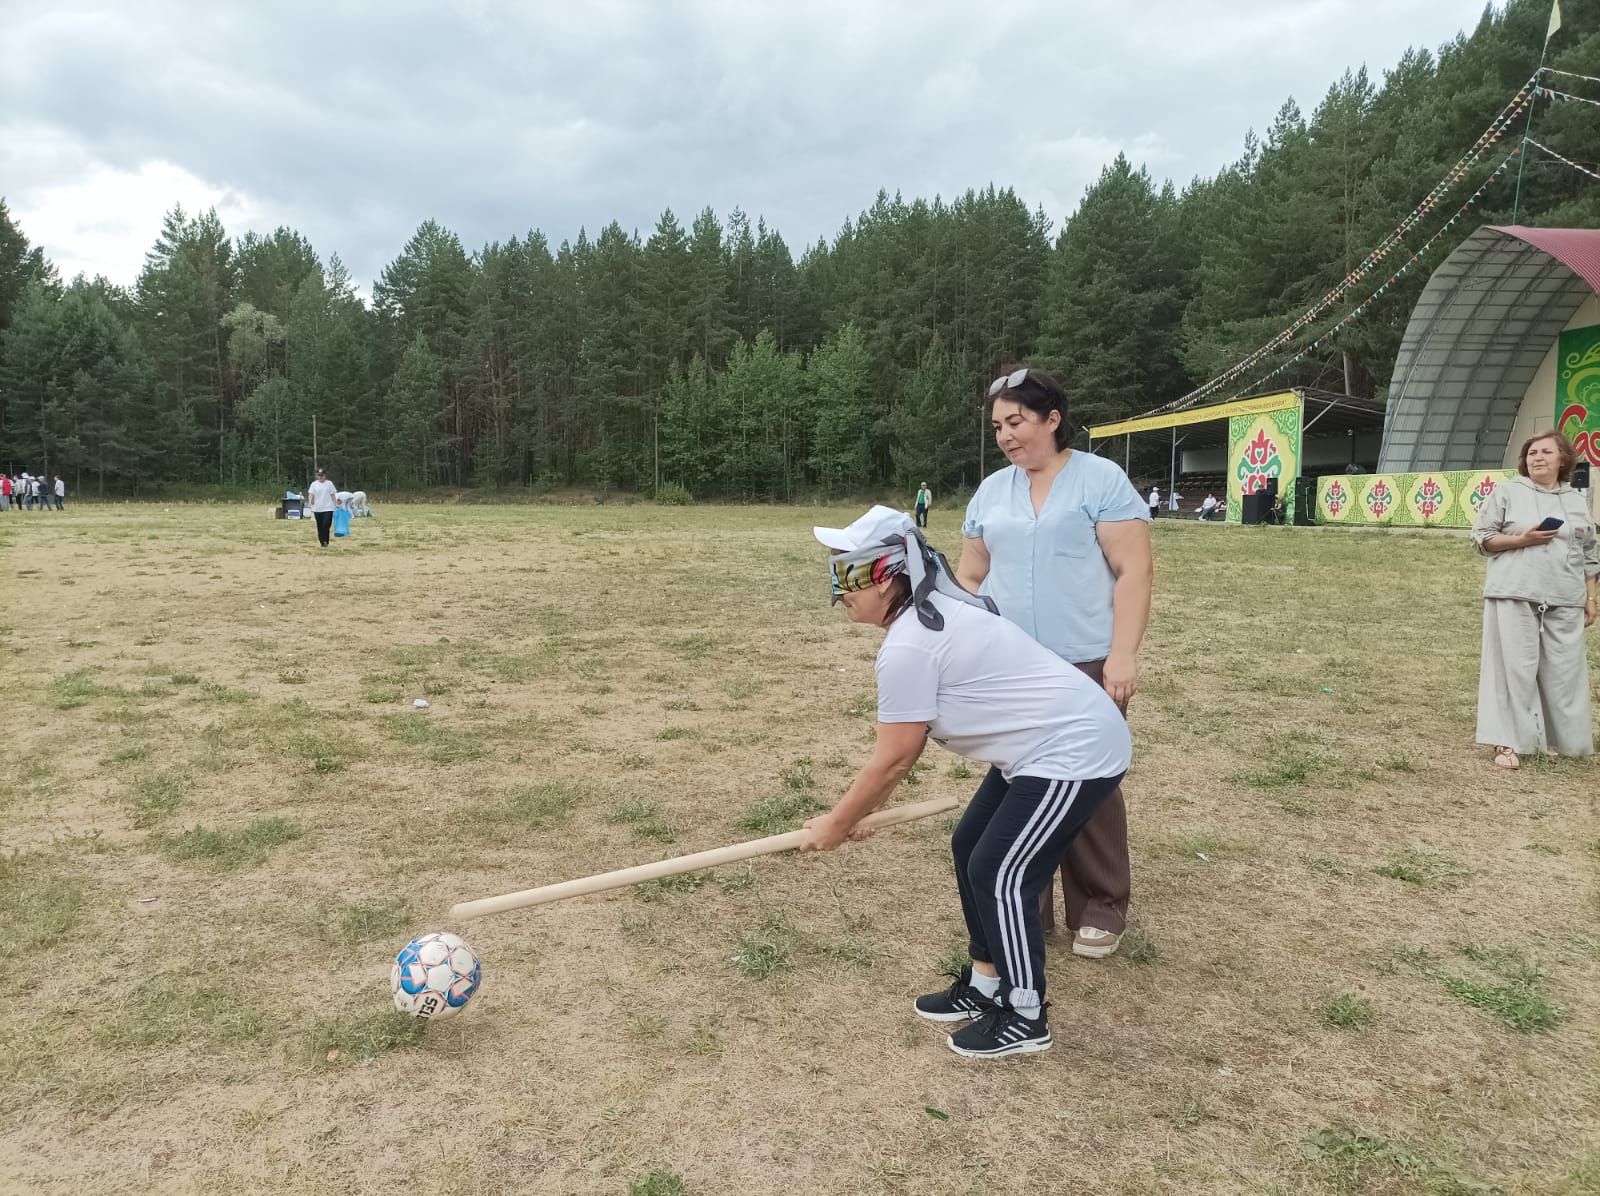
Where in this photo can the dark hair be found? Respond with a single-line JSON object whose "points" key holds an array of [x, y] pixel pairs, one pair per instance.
{"points": [[1040, 394], [1564, 449], [899, 597]]}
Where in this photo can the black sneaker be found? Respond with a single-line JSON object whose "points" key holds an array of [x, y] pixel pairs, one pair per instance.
{"points": [[1001, 1030], [955, 1004]]}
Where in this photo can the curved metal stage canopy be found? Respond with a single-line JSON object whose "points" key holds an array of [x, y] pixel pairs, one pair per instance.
{"points": [[1476, 338]]}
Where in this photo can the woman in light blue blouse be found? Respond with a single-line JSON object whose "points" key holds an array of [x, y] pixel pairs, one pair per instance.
{"points": [[1060, 540]]}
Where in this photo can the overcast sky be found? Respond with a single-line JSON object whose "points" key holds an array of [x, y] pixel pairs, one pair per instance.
{"points": [[354, 122]]}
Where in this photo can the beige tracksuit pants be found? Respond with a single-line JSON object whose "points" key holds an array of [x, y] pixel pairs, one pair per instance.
{"points": [[1533, 681]]}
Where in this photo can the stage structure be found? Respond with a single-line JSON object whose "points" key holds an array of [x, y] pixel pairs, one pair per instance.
{"points": [[1503, 343], [1242, 446]]}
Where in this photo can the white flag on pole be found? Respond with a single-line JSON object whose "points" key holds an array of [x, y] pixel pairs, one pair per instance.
{"points": [[1555, 20]]}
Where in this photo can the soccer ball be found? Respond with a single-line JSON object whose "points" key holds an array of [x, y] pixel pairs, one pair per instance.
{"points": [[434, 976]]}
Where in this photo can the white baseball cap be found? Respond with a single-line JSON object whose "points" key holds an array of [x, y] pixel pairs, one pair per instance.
{"points": [[876, 526]]}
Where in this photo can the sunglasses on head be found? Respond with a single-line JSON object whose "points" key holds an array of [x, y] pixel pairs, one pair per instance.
{"points": [[1008, 381]]}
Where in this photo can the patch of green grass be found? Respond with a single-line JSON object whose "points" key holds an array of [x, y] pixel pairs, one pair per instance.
{"points": [[1424, 868], [291, 677], [743, 688], [703, 1039], [693, 647], [131, 754], [774, 815], [660, 1182], [1137, 947], [958, 771], [1544, 848], [682, 704], [1517, 999], [1346, 1011], [647, 1027], [640, 815], [634, 761], [666, 886], [796, 775], [157, 795], [766, 950], [1508, 987], [41, 899], [74, 689], [1293, 767], [1207, 846], [358, 1037], [363, 921], [1353, 1161], [849, 950], [441, 743], [381, 694], [224, 695], [227, 849], [166, 1011], [184, 679], [633, 809], [671, 733], [736, 882], [324, 751]]}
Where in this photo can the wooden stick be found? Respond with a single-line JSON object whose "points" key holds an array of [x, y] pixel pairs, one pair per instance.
{"points": [[714, 858]]}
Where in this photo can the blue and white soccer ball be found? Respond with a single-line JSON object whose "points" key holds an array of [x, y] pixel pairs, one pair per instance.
{"points": [[434, 976]]}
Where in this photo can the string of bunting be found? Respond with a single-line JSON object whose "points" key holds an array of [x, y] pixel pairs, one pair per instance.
{"points": [[1550, 70], [1551, 94], [1497, 129], [1559, 158], [1360, 309]]}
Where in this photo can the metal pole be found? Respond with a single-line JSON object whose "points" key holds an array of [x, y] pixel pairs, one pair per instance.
{"points": [[1522, 153], [1172, 467]]}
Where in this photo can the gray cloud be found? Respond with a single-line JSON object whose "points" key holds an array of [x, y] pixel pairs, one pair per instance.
{"points": [[354, 123]]}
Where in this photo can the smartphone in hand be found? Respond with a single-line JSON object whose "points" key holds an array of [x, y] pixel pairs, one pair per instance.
{"points": [[1550, 524]]}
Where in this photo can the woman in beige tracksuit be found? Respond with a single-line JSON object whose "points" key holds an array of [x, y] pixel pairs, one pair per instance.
{"points": [[1540, 592]]}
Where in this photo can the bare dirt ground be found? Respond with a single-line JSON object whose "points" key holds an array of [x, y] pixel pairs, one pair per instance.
{"points": [[1363, 960]]}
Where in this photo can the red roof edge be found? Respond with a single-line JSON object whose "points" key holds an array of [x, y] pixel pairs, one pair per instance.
{"points": [[1578, 249]]}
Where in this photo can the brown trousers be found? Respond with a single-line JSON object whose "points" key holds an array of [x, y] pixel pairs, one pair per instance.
{"points": [[1096, 878]]}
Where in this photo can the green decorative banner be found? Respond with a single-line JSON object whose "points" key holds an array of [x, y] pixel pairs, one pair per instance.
{"points": [[1578, 391], [1262, 447], [1442, 498]]}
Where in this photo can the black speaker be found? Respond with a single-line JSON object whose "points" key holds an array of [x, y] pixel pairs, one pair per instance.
{"points": [[1253, 508], [1305, 502], [1271, 491], [1580, 475]]}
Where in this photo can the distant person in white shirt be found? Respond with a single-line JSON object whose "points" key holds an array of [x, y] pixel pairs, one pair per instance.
{"points": [[1155, 501], [61, 493], [1208, 508], [322, 495], [952, 670]]}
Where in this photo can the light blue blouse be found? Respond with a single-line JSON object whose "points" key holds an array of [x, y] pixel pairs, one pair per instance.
{"points": [[1047, 573]]}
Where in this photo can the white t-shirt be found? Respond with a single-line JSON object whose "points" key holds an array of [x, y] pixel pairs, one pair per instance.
{"points": [[61, 488], [1210, 503], [990, 692], [1155, 498], [320, 495]]}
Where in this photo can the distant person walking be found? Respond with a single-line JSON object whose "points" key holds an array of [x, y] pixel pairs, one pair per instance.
{"points": [[24, 490], [1155, 501], [1540, 591], [61, 493], [5, 492], [36, 492], [924, 501], [322, 495]]}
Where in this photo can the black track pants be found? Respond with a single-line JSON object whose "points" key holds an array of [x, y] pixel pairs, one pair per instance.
{"points": [[1006, 846]]}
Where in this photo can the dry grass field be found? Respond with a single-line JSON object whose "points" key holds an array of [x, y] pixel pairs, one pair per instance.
{"points": [[1363, 961]]}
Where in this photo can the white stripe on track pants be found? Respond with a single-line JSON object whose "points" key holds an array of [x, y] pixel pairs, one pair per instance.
{"points": [[1006, 845]]}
